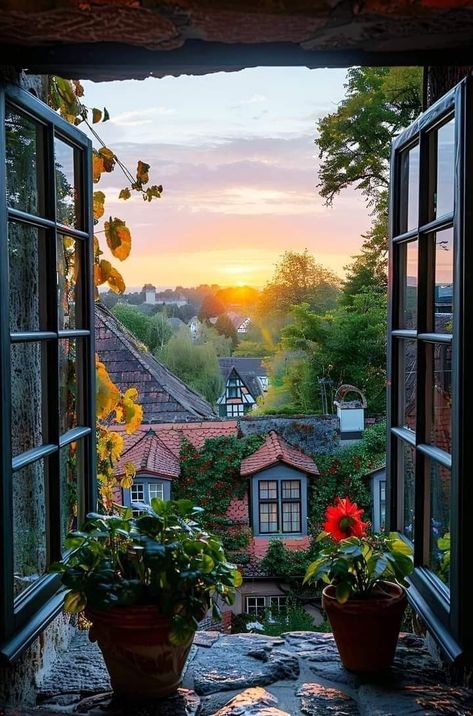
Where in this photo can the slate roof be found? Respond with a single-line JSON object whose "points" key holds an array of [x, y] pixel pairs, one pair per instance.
{"points": [[273, 451], [149, 455], [164, 397], [248, 370]]}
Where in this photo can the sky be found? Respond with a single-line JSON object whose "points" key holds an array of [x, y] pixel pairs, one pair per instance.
{"points": [[235, 154]]}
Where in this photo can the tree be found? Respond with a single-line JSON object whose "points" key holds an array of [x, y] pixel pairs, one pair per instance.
{"points": [[354, 142], [195, 364], [221, 344], [159, 331], [210, 308], [225, 327], [252, 349], [298, 278], [133, 319], [369, 269]]}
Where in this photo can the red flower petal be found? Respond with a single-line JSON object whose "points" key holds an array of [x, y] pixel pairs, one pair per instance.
{"points": [[343, 520]]}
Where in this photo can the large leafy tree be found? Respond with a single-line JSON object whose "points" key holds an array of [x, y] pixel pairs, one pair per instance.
{"points": [[298, 278], [354, 142], [354, 145]]}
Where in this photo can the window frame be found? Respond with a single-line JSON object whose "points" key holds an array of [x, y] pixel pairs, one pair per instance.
{"points": [[447, 613], [279, 479], [23, 619]]}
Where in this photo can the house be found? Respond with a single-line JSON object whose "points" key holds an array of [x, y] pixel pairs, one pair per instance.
{"points": [[164, 397], [240, 323], [274, 505], [245, 381]]}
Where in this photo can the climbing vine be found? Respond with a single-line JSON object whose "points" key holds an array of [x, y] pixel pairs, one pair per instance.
{"points": [[67, 97], [210, 477], [344, 474]]}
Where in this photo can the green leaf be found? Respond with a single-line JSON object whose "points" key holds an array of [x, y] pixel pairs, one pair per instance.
{"points": [[207, 563], [124, 193], [342, 592], [74, 602], [181, 631]]}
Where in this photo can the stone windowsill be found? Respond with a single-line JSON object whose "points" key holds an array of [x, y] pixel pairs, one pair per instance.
{"points": [[254, 675]]}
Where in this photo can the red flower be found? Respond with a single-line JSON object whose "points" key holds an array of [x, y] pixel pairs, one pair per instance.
{"points": [[343, 520]]}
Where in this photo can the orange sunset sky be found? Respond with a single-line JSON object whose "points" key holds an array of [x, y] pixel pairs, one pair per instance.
{"points": [[236, 156]]}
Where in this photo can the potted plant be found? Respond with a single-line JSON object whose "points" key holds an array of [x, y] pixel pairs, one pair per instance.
{"points": [[365, 597], [145, 582]]}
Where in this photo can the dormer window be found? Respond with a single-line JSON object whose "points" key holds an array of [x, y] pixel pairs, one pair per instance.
{"points": [[279, 506]]}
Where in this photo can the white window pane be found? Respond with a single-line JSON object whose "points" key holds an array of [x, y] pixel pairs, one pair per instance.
{"points": [[138, 493], [156, 489]]}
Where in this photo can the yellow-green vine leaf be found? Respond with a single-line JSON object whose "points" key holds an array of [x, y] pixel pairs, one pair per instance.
{"points": [[74, 602], [124, 194], [118, 238], [98, 204], [142, 176], [115, 281], [96, 115]]}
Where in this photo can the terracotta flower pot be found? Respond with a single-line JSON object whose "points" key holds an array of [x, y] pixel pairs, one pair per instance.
{"points": [[135, 645], [366, 630]]}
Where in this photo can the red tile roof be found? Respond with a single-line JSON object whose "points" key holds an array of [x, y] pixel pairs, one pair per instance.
{"points": [[275, 450], [150, 455], [155, 448]]}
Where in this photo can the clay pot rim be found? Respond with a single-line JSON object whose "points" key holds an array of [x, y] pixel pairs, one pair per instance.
{"points": [[383, 599]]}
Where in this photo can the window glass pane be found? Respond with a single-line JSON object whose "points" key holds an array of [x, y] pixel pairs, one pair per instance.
{"points": [[255, 605], [291, 517], [69, 267], [22, 162], [71, 470], [443, 281], [408, 258], [441, 398], [28, 396], [156, 489], [406, 474], [29, 526], [382, 504], [70, 360], [440, 495], [291, 489], [26, 264], [268, 489], [409, 190], [138, 493], [443, 200], [407, 383], [268, 517], [66, 196]]}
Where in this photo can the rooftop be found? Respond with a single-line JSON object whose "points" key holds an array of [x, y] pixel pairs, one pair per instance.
{"points": [[275, 450], [164, 397]]}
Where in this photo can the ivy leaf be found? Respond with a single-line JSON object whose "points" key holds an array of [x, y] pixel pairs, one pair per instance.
{"points": [[115, 281], [98, 204], [118, 238], [125, 193], [237, 578], [78, 88], [142, 176], [107, 395], [106, 115], [96, 115], [130, 472]]}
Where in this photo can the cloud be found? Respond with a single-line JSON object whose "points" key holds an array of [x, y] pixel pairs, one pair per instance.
{"points": [[138, 117]]}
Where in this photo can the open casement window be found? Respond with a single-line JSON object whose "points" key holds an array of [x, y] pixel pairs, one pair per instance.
{"points": [[430, 358], [47, 372]]}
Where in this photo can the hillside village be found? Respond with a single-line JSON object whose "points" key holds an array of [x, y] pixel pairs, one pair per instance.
{"points": [[270, 488]]}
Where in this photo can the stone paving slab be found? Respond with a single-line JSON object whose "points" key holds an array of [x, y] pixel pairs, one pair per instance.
{"points": [[297, 674]]}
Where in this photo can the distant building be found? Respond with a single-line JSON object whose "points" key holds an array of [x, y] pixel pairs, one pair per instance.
{"points": [[150, 293], [165, 299], [241, 323], [195, 327], [245, 381]]}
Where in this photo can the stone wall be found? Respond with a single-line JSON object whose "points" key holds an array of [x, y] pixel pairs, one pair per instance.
{"points": [[317, 434]]}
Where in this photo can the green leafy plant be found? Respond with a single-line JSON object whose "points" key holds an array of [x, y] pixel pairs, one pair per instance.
{"points": [[353, 561], [162, 557]]}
